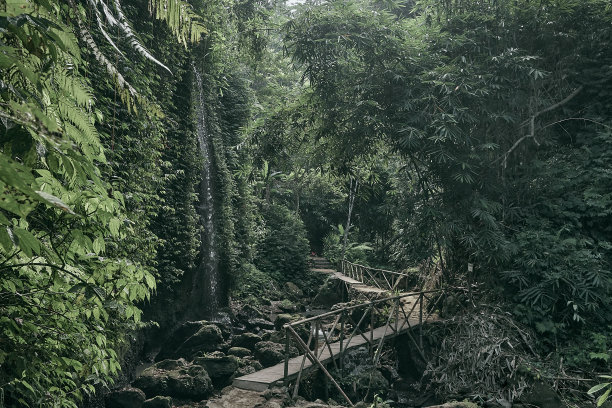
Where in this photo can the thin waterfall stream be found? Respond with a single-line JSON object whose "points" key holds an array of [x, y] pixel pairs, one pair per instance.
{"points": [[206, 279]]}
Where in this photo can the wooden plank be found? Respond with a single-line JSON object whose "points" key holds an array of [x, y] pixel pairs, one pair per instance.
{"points": [[263, 379], [323, 270]]}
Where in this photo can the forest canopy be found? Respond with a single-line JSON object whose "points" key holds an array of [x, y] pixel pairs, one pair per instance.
{"points": [[429, 135]]}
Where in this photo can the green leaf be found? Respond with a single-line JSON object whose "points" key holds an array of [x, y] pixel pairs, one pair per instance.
{"points": [[5, 239], [604, 397], [28, 243], [598, 387], [53, 200]]}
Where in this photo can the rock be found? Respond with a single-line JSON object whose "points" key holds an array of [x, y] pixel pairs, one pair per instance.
{"points": [[328, 294], [272, 404], [259, 323], [456, 404], [169, 364], [239, 351], [246, 340], [127, 397], [236, 398], [192, 383], [191, 338], [219, 368], [158, 402], [188, 381], [244, 371], [281, 320], [287, 306], [269, 353], [274, 336], [294, 290], [276, 393], [543, 396]]}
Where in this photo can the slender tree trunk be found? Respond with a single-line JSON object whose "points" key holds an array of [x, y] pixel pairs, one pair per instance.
{"points": [[352, 194]]}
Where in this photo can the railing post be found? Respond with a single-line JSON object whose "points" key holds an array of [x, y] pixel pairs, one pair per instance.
{"points": [[341, 340], [421, 320], [286, 372], [397, 305], [372, 330]]}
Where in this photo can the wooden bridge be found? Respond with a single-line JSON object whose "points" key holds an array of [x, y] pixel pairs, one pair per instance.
{"points": [[322, 340]]}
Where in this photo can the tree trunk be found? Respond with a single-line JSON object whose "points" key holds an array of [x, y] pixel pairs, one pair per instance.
{"points": [[352, 194]]}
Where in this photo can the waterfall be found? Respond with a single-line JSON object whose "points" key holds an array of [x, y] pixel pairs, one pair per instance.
{"points": [[206, 286]]}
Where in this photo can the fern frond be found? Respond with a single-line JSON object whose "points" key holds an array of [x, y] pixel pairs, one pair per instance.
{"points": [[101, 58], [88, 136], [134, 42], [70, 87], [180, 17]]}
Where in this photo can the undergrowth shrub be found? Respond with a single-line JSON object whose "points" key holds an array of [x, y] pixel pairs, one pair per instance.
{"points": [[282, 252]]}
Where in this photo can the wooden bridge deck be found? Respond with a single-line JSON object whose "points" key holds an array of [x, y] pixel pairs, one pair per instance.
{"points": [[263, 379]]}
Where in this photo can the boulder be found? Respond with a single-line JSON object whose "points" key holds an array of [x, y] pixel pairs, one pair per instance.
{"points": [[259, 323], [158, 402], [127, 397], [543, 396], [246, 340], [239, 351], [169, 364], [219, 368], [244, 371], [294, 290], [287, 306], [329, 294], [175, 380], [191, 383], [281, 320], [191, 338], [269, 353]]}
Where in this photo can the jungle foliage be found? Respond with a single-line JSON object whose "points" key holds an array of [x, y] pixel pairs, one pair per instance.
{"points": [[394, 133]]}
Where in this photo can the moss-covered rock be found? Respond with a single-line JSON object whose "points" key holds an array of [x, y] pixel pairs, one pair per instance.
{"points": [[127, 397], [180, 381], [239, 351], [246, 340], [158, 402], [219, 368], [282, 319]]}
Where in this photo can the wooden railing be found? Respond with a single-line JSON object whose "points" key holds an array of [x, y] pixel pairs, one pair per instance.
{"points": [[380, 278], [328, 336]]}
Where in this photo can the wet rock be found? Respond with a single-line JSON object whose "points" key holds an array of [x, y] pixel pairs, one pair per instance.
{"points": [[239, 351], [158, 402], [127, 397], [294, 290], [274, 336], [269, 353], [184, 381], [219, 368], [246, 340]]}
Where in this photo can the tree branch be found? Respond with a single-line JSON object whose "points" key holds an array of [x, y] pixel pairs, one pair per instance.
{"points": [[531, 122]]}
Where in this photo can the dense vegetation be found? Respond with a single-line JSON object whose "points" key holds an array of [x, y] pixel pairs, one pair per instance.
{"points": [[436, 134]]}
